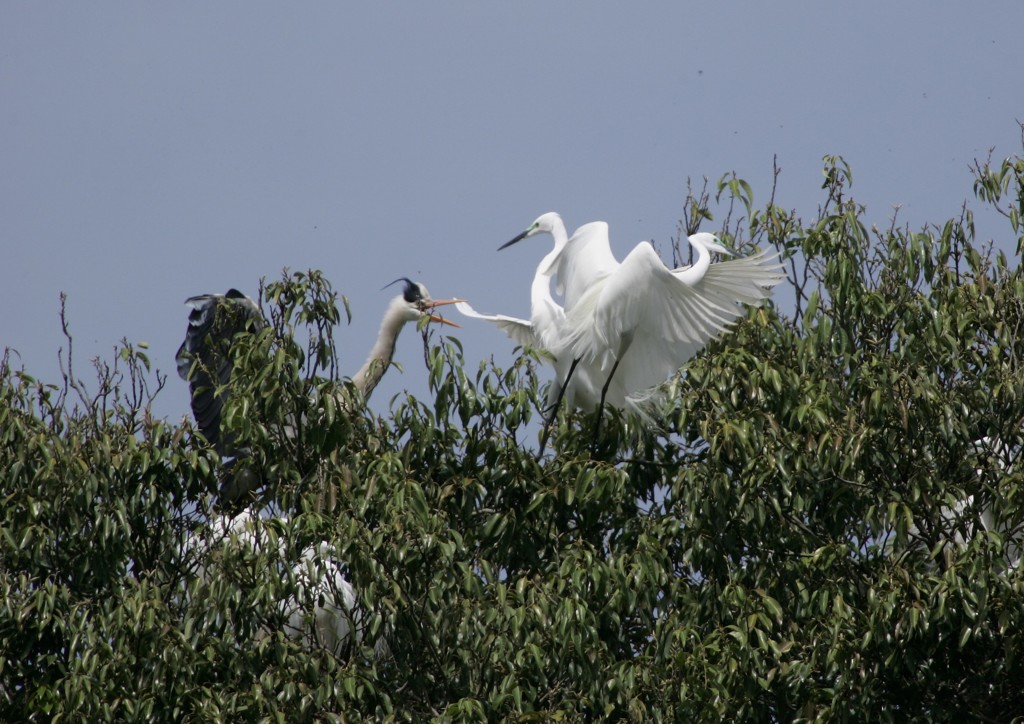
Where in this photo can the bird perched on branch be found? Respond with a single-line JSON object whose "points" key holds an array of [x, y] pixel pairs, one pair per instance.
{"points": [[627, 327], [204, 360]]}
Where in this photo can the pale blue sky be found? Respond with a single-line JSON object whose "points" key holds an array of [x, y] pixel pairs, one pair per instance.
{"points": [[154, 151]]}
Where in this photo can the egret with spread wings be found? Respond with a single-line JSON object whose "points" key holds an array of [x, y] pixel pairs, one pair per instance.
{"points": [[628, 327]]}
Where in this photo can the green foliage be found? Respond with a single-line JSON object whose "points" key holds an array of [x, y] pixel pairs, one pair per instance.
{"points": [[802, 540]]}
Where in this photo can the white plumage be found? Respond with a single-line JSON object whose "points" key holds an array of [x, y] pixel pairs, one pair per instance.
{"points": [[973, 517], [629, 327], [545, 330], [323, 610]]}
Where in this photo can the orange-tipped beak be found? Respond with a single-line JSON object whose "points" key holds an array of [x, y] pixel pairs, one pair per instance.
{"points": [[441, 303]]}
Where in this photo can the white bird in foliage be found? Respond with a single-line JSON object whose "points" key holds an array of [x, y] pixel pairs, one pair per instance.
{"points": [[629, 327], [204, 358], [322, 611], [324, 599], [973, 517]]}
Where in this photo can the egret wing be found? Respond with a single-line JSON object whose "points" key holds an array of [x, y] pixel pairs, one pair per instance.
{"points": [[520, 330], [653, 321], [746, 280], [586, 259]]}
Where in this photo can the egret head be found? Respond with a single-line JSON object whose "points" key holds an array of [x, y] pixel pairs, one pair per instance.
{"points": [[709, 242], [415, 302], [547, 223]]}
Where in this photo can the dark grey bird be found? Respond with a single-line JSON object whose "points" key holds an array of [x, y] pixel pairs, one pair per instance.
{"points": [[204, 358]]}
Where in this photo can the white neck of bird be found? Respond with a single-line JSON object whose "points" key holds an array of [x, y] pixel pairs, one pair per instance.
{"points": [[696, 272], [383, 349]]}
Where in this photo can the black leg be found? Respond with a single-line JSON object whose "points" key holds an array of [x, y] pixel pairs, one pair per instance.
{"points": [[553, 412], [600, 408]]}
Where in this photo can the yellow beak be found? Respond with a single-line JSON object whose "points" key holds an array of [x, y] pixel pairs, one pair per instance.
{"points": [[440, 303]]}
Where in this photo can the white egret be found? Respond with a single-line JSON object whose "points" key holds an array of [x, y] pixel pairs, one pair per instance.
{"points": [[322, 611], [204, 359], [641, 320], [971, 517], [324, 599], [629, 327], [545, 328]]}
